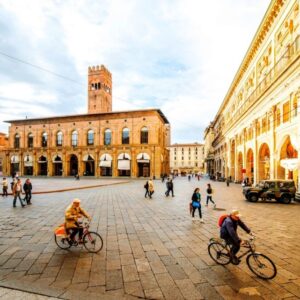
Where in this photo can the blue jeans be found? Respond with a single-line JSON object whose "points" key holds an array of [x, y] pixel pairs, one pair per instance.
{"points": [[17, 195]]}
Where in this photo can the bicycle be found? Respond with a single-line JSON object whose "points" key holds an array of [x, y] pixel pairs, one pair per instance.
{"points": [[259, 264], [92, 241]]}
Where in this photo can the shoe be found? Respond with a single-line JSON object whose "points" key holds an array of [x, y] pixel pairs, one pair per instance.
{"points": [[235, 260], [23, 206], [201, 221], [14, 206], [215, 206]]}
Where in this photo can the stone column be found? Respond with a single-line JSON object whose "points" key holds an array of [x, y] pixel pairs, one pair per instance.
{"points": [[255, 154], [133, 164], [115, 163], [49, 164], [273, 151], [235, 158]]}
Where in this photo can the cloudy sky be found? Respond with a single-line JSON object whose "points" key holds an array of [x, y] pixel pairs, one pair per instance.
{"points": [[176, 55]]}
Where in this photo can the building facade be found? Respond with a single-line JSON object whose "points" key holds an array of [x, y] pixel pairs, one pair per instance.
{"points": [[186, 158], [99, 143], [256, 132], [3, 146]]}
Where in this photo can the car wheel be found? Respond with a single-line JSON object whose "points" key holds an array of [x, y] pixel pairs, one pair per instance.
{"points": [[285, 199], [253, 198]]}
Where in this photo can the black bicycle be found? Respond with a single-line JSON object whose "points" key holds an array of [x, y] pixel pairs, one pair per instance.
{"points": [[259, 264], [92, 241]]}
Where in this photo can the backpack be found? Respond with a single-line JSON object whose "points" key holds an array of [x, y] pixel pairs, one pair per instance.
{"points": [[222, 219]]}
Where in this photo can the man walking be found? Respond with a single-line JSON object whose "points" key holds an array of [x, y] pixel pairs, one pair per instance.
{"points": [[170, 188], [17, 190], [27, 187]]}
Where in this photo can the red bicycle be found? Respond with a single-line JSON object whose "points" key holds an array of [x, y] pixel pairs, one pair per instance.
{"points": [[91, 240]]}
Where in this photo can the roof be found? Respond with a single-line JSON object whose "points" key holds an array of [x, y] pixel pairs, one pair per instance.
{"points": [[92, 115], [186, 145]]}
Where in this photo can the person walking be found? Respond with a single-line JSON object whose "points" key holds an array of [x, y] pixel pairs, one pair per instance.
{"points": [[170, 187], [151, 188], [189, 177], [17, 190], [146, 186], [196, 204], [4, 187], [209, 192], [27, 187], [227, 181]]}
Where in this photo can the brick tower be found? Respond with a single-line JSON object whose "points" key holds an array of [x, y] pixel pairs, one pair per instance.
{"points": [[99, 90]]}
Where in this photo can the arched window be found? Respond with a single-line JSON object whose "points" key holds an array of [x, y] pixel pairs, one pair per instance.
{"points": [[125, 136], [17, 141], [44, 139], [74, 138], [90, 137], [30, 140], [107, 137], [59, 139], [144, 135]]}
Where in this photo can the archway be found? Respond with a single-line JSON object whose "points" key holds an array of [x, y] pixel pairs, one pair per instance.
{"points": [[105, 165], [143, 162], [287, 167], [43, 166], [57, 165], [73, 165], [14, 165], [89, 165], [240, 167], [28, 165], [264, 162], [124, 165], [250, 166]]}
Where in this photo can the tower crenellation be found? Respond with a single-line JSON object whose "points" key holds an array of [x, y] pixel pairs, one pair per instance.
{"points": [[99, 89]]}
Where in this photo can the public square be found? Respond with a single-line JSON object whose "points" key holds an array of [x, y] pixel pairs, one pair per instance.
{"points": [[152, 248]]}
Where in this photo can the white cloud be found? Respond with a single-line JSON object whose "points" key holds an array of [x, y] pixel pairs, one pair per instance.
{"points": [[178, 55]]}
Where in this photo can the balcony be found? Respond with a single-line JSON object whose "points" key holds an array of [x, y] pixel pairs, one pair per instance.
{"points": [[217, 139], [285, 61]]}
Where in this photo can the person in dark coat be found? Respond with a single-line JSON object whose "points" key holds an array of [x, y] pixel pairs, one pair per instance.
{"points": [[170, 188], [146, 186], [27, 187], [228, 232], [196, 204]]}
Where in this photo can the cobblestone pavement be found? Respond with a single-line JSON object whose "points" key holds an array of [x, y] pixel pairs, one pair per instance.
{"points": [[152, 248]]}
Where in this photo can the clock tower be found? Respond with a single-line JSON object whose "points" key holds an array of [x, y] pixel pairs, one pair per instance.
{"points": [[99, 90]]}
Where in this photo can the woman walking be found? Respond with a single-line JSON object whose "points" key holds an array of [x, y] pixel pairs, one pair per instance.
{"points": [[196, 204], [17, 190], [151, 188], [209, 192]]}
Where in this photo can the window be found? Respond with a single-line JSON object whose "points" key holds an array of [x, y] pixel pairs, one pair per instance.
{"points": [[144, 135], [286, 112], [107, 137], [90, 137], [59, 139], [278, 117], [44, 139], [174, 157], [182, 158], [295, 106], [30, 140], [74, 138], [125, 136], [17, 141]]}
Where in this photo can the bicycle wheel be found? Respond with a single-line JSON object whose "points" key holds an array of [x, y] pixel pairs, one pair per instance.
{"points": [[61, 242], [92, 242], [261, 265], [219, 253]]}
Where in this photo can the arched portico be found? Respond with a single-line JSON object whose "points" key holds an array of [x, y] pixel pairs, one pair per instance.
{"points": [[264, 162]]}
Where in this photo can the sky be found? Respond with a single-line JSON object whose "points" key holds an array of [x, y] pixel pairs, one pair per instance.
{"points": [[176, 55]]}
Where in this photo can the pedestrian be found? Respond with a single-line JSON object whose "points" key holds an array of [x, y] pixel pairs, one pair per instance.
{"points": [[146, 186], [12, 184], [150, 188], [209, 192], [227, 181], [17, 190], [4, 187], [170, 187], [196, 204], [27, 187], [189, 177]]}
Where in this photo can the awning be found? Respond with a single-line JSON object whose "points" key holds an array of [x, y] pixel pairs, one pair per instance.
{"points": [[123, 164], [105, 163], [143, 161], [290, 163], [57, 158], [15, 159], [88, 157], [106, 156], [143, 156], [28, 161], [124, 156], [40, 161]]}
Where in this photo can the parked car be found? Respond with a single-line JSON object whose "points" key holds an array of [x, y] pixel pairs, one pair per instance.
{"points": [[280, 190]]}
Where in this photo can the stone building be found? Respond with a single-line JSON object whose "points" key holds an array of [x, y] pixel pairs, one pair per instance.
{"points": [[186, 158], [256, 132], [3, 146], [99, 143]]}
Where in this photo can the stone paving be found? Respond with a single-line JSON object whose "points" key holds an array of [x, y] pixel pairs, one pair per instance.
{"points": [[48, 184], [152, 248]]}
